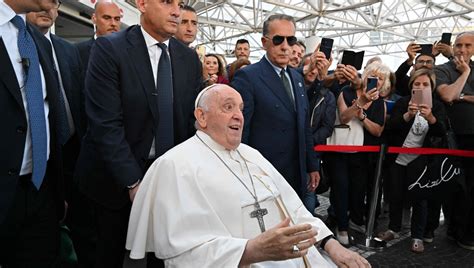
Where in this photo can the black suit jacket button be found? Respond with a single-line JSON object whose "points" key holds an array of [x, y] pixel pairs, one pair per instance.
{"points": [[12, 172], [21, 130]]}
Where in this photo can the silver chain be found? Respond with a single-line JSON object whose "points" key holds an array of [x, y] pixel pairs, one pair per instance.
{"points": [[254, 194]]}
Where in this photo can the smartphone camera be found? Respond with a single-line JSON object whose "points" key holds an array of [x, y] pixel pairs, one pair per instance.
{"points": [[326, 47], [371, 83]]}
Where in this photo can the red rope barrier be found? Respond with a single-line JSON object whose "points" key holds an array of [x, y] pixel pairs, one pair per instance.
{"points": [[392, 150]]}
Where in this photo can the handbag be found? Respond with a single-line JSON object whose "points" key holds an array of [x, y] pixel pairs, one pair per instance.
{"points": [[351, 133]]}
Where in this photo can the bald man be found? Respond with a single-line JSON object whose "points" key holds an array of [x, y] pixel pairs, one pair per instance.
{"points": [[107, 19]]}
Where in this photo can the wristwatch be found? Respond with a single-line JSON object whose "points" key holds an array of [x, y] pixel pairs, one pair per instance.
{"points": [[364, 116], [461, 96], [325, 240]]}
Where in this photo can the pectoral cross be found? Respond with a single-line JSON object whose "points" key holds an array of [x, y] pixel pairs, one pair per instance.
{"points": [[259, 213]]}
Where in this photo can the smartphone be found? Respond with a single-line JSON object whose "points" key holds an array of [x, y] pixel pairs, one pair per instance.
{"points": [[422, 96], [426, 49], [371, 83], [326, 47], [353, 58], [446, 38]]}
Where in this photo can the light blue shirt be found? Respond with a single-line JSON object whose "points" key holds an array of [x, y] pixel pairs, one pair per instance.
{"points": [[278, 71]]}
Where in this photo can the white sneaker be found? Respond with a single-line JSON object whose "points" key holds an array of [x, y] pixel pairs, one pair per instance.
{"points": [[343, 238], [355, 227]]}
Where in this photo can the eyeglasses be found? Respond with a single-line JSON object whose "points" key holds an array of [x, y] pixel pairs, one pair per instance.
{"points": [[424, 62], [278, 39], [58, 4]]}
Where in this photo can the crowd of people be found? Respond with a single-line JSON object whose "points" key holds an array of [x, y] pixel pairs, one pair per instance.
{"points": [[142, 150]]}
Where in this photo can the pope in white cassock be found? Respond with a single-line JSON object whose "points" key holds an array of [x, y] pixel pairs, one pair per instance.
{"points": [[214, 202]]}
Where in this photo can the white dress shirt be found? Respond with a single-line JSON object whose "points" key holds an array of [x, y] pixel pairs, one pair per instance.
{"points": [[9, 35], [154, 51]]}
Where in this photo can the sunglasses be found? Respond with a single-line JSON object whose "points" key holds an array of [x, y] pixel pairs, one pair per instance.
{"points": [[278, 39]]}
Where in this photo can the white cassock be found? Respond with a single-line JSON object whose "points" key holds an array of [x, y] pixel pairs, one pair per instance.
{"points": [[193, 212]]}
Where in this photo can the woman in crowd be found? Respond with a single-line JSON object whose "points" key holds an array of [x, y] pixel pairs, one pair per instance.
{"points": [[213, 70], [413, 125], [362, 115]]}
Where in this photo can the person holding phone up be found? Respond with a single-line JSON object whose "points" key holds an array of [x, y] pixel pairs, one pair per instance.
{"points": [[455, 81], [417, 60], [360, 107], [413, 123], [444, 46]]}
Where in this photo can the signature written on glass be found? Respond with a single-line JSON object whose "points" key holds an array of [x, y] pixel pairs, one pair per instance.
{"points": [[447, 172]]}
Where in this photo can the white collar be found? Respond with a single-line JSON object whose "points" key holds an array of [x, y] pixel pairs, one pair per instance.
{"points": [[150, 41], [276, 68], [48, 35], [212, 143], [7, 13]]}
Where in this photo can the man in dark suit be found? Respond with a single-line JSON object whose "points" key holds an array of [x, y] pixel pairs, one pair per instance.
{"points": [[68, 66], [139, 94], [31, 194], [106, 18], [69, 70], [276, 116]]}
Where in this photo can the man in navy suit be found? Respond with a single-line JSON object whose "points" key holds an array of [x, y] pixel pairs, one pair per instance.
{"points": [[31, 192], [68, 66], [139, 93], [71, 82], [276, 107], [107, 19]]}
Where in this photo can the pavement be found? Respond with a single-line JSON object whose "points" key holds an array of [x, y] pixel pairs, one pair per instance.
{"points": [[442, 252]]}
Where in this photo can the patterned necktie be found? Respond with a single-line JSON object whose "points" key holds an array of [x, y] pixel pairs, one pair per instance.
{"points": [[287, 86], [164, 135], [34, 100]]}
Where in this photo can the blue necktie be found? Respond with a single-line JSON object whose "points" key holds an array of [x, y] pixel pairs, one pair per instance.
{"points": [[164, 135], [34, 100]]}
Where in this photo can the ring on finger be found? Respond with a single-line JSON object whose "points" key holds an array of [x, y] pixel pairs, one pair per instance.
{"points": [[295, 249]]}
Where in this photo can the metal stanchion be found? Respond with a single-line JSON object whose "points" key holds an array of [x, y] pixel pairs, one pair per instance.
{"points": [[371, 243]]}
